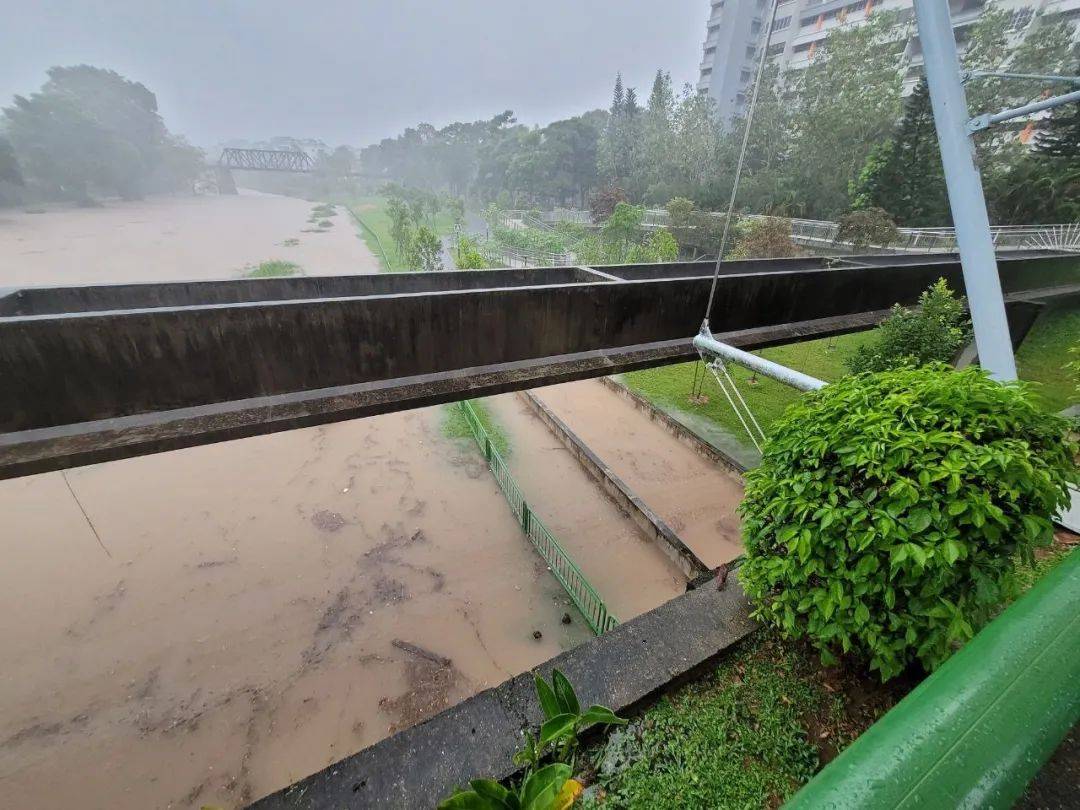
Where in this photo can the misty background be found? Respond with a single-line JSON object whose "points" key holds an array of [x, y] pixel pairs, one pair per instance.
{"points": [[355, 72]]}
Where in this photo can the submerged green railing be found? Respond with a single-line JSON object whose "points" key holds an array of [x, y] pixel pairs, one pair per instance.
{"points": [[586, 598]]}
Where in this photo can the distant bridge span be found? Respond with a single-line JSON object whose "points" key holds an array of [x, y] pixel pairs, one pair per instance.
{"points": [[266, 160]]}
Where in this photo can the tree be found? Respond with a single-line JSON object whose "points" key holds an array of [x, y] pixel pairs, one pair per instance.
{"points": [[9, 165], [603, 202], [92, 129], [934, 332], [848, 100], [425, 250], [622, 230], [903, 174]]}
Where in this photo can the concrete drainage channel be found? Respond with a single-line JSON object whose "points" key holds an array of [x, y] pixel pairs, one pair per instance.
{"points": [[625, 667]]}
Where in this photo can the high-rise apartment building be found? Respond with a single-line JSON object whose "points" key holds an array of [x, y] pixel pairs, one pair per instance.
{"points": [[736, 30]]}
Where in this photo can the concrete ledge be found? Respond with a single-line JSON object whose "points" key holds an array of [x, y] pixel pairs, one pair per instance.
{"points": [[624, 668], [676, 428], [648, 521]]}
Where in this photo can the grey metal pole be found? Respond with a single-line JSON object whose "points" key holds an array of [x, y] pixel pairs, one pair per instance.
{"points": [[965, 189]]}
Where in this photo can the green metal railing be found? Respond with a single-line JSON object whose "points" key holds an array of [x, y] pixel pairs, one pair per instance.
{"points": [[583, 594]]}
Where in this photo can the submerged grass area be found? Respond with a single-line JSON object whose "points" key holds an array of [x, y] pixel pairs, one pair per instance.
{"points": [[372, 210], [749, 734], [455, 425], [274, 269], [1041, 360]]}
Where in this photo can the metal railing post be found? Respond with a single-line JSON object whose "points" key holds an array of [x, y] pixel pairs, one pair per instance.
{"points": [[964, 185]]}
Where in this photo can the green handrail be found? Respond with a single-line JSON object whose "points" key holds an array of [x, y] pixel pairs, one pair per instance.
{"points": [[582, 593], [975, 732]]}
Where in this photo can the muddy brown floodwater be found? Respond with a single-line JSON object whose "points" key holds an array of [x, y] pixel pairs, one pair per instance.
{"points": [[254, 611], [182, 237], [694, 496]]}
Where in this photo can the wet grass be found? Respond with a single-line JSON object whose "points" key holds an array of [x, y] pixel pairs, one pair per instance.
{"points": [[1043, 355], [1041, 360], [749, 734], [372, 210], [275, 268], [671, 385], [455, 426]]}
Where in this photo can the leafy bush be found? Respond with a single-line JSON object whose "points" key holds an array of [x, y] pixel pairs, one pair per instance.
{"points": [[549, 788], [467, 255], [768, 238], [867, 226], [889, 511], [274, 269], [936, 331], [603, 201]]}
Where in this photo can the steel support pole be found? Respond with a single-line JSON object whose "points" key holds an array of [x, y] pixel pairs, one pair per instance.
{"points": [[965, 190]]}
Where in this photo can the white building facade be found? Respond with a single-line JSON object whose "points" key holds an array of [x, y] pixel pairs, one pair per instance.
{"points": [[736, 30]]}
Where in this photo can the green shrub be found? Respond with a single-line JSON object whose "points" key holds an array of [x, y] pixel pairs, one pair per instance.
{"points": [[274, 268], [867, 226], [937, 330], [890, 509], [767, 238]]}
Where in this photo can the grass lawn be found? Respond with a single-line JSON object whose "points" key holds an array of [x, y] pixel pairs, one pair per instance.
{"points": [[748, 734], [1041, 359], [1043, 355], [372, 211]]}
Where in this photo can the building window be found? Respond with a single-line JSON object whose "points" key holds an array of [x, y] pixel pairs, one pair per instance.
{"points": [[781, 23], [744, 77], [751, 51], [755, 27], [706, 72], [776, 49], [710, 50]]}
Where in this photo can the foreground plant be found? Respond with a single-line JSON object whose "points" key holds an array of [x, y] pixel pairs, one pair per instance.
{"points": [[549, 787], [890, 510]]}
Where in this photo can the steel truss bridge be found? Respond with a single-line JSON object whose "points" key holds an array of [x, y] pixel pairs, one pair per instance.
{"points": [[265, 160]]}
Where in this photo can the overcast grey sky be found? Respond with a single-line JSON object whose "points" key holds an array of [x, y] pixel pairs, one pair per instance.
{"points": [[354, 71]]}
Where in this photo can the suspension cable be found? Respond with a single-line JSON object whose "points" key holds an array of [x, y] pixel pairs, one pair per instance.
{"points": [[762, 58]]}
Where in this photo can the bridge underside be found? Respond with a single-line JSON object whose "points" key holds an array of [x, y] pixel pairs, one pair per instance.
{"points": [[112, 371]]}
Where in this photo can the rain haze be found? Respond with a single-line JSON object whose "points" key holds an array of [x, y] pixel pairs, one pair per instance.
{"points": [[355, 72]]}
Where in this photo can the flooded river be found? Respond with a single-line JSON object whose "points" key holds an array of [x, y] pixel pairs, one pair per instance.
{"points": [[170, 238], [203, 627]]}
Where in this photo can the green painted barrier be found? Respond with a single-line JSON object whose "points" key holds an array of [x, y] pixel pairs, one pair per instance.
{"points": [[582, 593], [975, 732]]}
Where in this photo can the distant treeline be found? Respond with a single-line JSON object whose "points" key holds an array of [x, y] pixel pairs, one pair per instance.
{"points": [[836, 136], [90, 132]]}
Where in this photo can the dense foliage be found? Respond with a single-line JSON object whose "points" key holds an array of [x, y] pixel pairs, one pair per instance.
{"points": [[91, 131], [935, 331], [867, 226], [766, 238], [825, 139], [890, 510]]}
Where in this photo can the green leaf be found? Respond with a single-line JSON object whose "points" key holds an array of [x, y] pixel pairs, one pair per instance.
{"points": [[542, 786], [918, 520], [548, 702], [557, 727], [568, 701], [601, 714], [468, 800], [496, 794]]}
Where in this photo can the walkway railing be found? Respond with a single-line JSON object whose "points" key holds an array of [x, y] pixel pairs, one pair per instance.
{"points": [[583, 594]]}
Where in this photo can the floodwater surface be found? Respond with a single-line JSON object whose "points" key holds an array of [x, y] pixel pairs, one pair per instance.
{"points": [[694, 496], [163, 238], [208, 625]]}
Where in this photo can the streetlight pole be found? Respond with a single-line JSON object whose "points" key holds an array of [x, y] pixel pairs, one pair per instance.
{"points": [[965, 189]]}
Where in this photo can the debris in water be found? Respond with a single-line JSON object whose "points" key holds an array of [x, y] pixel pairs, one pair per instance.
{"points": [[327, 521], [566, 618], [537, 635]]}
